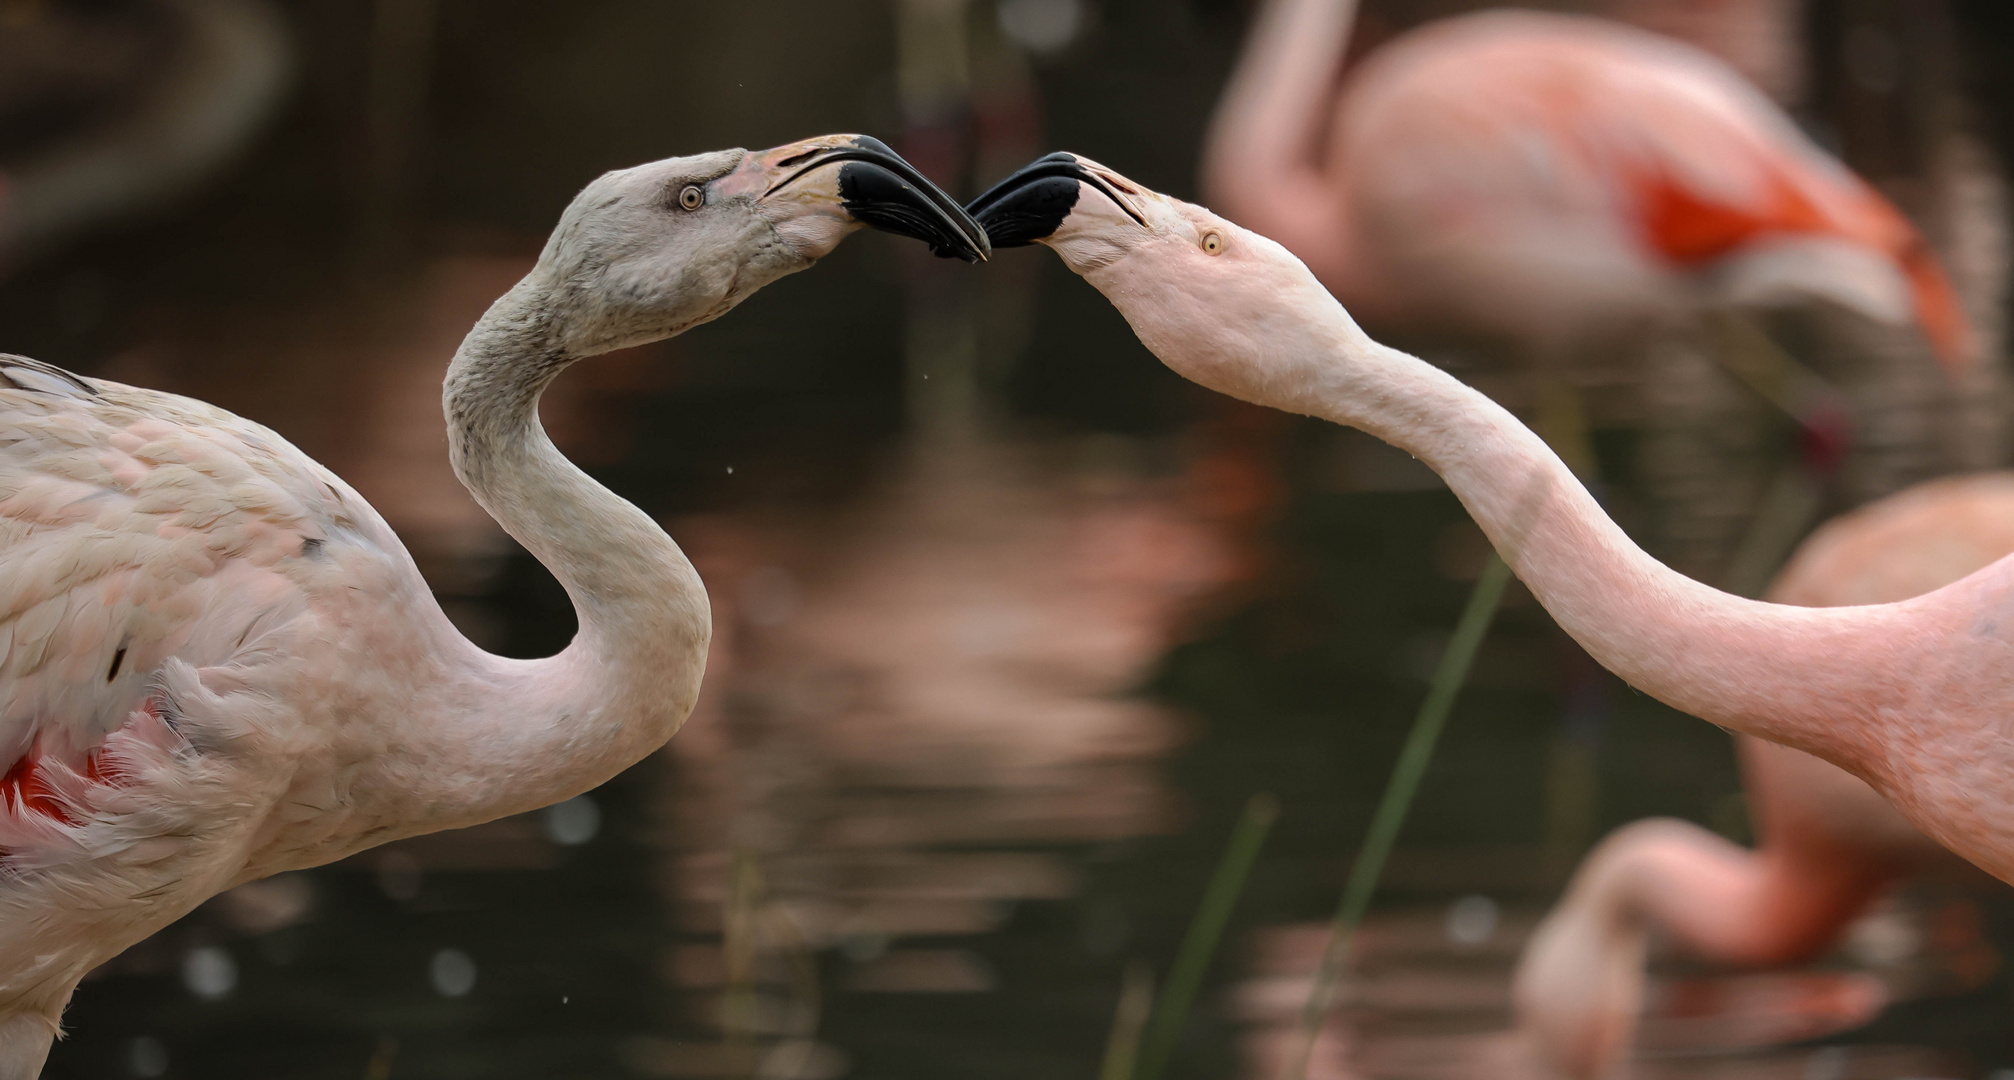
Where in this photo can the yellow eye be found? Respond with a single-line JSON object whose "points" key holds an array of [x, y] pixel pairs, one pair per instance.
{"points": [[692, 198], [1213, 243]]}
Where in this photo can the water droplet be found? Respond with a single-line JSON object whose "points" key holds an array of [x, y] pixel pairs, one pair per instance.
{"points": [[573, 822], [209, 972], [146, 1056], [1472, 920], [453, 973]]}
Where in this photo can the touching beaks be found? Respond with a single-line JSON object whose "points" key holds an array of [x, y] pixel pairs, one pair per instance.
{"points": [[1031, 204], [849, 179]]}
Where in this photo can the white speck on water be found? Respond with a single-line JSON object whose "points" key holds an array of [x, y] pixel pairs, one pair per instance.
{"points": [[209, 972], [1472, 920], [563, 999], [146, 1056], [453, 973], [1885, 939], [573, 822], [730, 470]]}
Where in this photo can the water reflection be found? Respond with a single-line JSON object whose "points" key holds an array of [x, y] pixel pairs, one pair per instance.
{"points": [[1429, 998], [916, 705]]}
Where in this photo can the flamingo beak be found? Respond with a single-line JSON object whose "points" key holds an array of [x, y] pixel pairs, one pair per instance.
{"points": [[820, 188], [1032, 204]]}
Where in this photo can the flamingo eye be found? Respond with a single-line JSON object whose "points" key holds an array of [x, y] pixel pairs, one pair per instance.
{"points": [[692, 198], [1213, 243]]}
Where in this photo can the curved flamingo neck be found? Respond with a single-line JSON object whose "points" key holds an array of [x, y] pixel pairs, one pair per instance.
{"points": [[533, 732], [1262, 164], [1790, 675]]}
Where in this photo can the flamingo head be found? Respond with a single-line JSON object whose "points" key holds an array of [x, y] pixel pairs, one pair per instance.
{"points": [[644, 253], [1219, 304]]}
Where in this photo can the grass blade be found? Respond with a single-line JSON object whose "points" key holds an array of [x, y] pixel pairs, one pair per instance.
{"points": [[1449, 675], [1122, 1047], [1199, 945]]}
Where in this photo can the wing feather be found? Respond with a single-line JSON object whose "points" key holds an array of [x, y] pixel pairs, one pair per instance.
{"points": [[140, 526]]}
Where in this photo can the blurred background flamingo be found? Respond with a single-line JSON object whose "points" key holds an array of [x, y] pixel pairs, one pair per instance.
{"points": [[1827, 844], [1543, 178]]}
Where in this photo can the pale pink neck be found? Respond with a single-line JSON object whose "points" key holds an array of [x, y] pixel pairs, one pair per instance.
{"points": [[1815, 679], [521, 734], [1262, 163]]}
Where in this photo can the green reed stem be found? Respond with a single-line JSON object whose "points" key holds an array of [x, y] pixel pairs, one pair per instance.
{"points": [[1122, 1046], [1449, 675], [1199, 945]]}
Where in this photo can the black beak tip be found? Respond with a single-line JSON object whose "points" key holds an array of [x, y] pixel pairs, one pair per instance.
{"points": [[1032, 203], [884, 198], [1033, 209]]}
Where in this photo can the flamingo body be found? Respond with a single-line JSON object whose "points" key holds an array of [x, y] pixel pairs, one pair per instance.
{"points": [[1828, 843], [1540, 177], [198, 622]]}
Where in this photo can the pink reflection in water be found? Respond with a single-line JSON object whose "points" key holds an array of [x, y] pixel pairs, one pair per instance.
{"points": [[903, 689], [1419, 1003]]}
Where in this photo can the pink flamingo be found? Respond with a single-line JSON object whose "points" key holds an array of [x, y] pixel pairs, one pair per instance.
{"points": [[1829, 844], [219, 663], [1546, 179], [1912, 697], [1758, 38]]}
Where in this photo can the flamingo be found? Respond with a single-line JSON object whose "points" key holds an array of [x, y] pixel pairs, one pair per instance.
{"points": [[1912, 697], [220, 663], [1829, 844], [1540, 177], [1761, 39]]}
